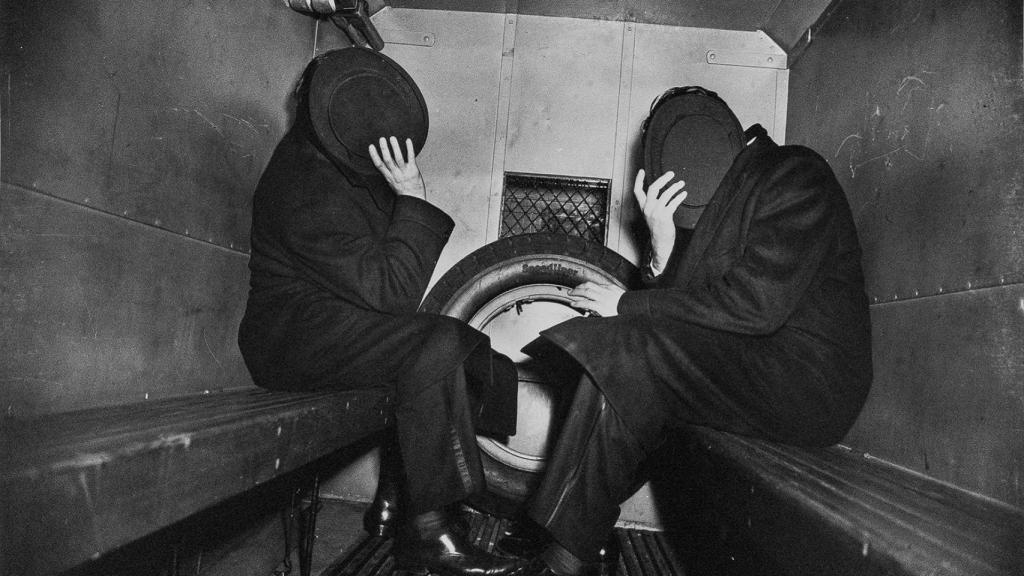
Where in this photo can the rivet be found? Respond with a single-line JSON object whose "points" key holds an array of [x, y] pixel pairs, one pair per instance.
{"points": [[770, 59]]}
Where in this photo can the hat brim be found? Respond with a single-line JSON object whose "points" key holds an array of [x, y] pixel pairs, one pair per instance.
{"points": [[357, 96], [697, 137]]}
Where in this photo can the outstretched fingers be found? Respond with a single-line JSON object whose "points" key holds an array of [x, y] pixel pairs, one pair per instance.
{"points": [[657, 185], [638, 188], [410, 154], [378, 163], [397, 148], [671, 193], [385, 154], [676, 195]]}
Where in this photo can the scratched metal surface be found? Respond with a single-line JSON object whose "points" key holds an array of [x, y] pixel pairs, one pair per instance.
{"points": [[918, 107], [164, 113], [96, 309], [948, 397]]}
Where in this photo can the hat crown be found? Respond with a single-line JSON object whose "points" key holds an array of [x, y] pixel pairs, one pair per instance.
{"points": [[357, 96], [693, 133]]}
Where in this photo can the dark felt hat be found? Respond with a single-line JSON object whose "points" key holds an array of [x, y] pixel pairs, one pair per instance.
{"points": [[692, 132], [356, 95]]}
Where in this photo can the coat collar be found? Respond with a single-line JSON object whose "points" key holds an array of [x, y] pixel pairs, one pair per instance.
{"points": [[758, 141]]}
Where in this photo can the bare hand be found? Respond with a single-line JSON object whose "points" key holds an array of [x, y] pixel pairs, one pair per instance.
{"points": [[658, 207], [403, 176], [603, 299]]}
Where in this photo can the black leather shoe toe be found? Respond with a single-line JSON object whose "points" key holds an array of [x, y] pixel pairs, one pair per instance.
{"points": [[606, 565], [451, 554], [522, 538], [381, 518], [537, 567], [609, 562]]}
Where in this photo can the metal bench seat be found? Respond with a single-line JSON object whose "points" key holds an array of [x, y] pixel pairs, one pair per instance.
{"points": [[79, 484]]}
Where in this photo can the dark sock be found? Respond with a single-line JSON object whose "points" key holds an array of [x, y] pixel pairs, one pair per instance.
{"points": [[561, 561], [428, 525]]}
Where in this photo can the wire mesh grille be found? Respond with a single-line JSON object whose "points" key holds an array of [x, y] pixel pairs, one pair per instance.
{"points": [[572, 206]]}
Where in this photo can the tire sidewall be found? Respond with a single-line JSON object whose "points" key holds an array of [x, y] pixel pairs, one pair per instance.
{"points": [[514, 262]]}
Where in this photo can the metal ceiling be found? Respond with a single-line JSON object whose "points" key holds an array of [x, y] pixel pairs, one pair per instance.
{"points": [[784, 20]]}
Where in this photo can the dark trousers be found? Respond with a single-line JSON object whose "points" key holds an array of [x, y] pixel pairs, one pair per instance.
{"points": [[437, 441], [783, 388], [593, 468]]}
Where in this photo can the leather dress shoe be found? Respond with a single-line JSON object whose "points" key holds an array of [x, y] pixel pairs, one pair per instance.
{"points": [[450, 554], [537, 567], [381, 518], [609, 562], [522, 538]]}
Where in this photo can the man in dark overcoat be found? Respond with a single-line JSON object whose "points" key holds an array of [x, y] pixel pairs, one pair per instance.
{"points": [[344, 242], [755, 322]]}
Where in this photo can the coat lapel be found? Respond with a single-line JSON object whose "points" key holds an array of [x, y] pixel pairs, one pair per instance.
{"points": [[726, 194]]}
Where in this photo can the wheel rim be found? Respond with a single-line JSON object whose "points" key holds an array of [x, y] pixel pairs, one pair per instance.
{"points": [[512, 319]]}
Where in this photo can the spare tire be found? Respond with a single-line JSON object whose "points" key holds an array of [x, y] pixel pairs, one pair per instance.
{"points": [[512, 289]]}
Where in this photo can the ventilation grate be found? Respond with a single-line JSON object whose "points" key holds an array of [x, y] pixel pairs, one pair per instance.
{"points": [[537, 203]]}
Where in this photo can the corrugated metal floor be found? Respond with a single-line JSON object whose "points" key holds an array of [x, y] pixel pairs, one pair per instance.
{"points": [[643, 553]]}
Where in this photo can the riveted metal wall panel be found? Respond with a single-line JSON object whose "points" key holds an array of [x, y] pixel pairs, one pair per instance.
{"points": [[918, 107], [97, 309], [948, 398], [161, 112], [565, 86], [716, 14], [720, 14]]}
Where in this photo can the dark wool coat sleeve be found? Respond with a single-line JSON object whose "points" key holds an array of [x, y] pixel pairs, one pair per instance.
{"points": [[780, 250], [386, 273]]}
